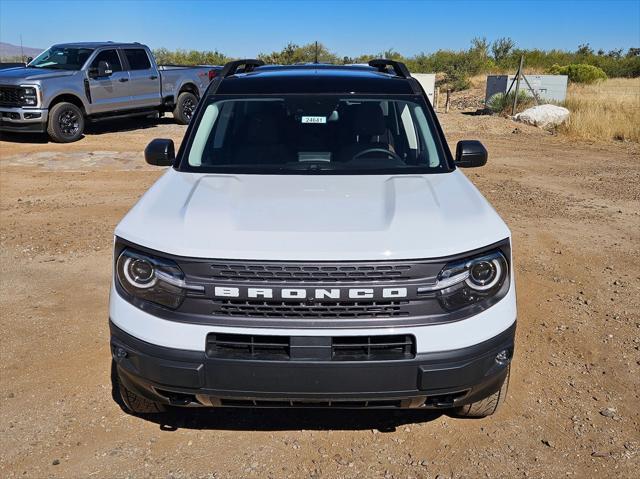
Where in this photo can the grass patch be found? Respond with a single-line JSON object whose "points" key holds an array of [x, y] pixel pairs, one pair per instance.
{"points": [[503, 104], [609, 110]]}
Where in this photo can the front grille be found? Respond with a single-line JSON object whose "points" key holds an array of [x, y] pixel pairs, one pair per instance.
{"points": [[310, 348], [327, 310], [311, 273], [10, 96], [243, 346], [377, 348]]}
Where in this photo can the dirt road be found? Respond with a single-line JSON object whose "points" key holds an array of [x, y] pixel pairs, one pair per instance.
{"points": [[573, 403]]}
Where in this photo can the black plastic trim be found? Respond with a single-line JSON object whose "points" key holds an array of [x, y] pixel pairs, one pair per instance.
{"points": [[466, 374], [398, 67], [26, 127], [232, 67]]}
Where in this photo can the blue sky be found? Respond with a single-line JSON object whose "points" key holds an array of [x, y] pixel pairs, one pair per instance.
{"points": [[245, 28]]}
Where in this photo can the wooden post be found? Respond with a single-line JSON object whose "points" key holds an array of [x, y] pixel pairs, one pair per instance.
{"points": [[515, 96], [448, 102], [436, 98]]}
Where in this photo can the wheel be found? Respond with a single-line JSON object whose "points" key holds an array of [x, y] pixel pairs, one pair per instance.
{"points": [[185, 107], [487, 406], [66, 123], [131, 402]]}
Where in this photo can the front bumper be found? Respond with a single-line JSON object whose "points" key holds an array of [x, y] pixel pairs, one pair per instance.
{"points": [[29, 120], [190, 378]]}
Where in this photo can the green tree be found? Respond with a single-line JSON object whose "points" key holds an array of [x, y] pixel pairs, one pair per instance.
{"points": [[480, 46], [293, 53], [501, 48]]}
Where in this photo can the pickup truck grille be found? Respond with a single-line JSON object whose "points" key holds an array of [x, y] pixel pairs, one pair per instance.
{"points": [[10, 96]]}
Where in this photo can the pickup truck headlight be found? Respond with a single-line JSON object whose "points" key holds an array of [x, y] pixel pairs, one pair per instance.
{"points": [[157, 280], [28, 95], [473, 280]]}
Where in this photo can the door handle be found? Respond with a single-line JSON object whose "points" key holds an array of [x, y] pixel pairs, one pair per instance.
{"points": [[122, 80], [153, 77]]}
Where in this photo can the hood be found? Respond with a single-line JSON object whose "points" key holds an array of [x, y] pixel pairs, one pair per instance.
{"points": [[26, 73], [309, 217]]}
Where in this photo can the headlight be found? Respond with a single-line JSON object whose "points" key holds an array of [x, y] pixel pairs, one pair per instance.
{"points": [[153, 279], [28, 95], [470, 281]]}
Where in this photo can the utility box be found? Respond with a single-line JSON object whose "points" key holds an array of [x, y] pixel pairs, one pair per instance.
{"points": [[428, 82], [547, 87]]}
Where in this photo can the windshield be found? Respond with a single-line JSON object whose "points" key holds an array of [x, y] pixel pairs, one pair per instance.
{"points": [[315, 134], [62, 58]]}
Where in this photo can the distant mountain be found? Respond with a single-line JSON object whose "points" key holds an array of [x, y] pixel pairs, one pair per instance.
{"points": [[7, 50]]}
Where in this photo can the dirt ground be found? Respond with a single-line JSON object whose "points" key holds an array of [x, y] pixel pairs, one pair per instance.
{"points": [[573, 404]]}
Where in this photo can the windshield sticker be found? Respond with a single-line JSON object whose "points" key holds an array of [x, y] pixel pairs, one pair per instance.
{"points": [[314, 119]]}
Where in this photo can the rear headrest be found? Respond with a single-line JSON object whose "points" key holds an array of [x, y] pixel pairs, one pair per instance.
{"points": [[369, 120], [262, 129]]}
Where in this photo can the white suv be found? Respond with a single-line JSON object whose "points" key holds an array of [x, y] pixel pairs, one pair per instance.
{"points": [[313, 244]]}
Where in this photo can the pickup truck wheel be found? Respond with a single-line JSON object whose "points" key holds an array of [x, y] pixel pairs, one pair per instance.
{"points": [[487, 406], [66, 123], [185, 107]]}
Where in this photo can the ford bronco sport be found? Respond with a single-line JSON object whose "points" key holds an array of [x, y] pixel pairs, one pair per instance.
{"points": [[313, 243]]}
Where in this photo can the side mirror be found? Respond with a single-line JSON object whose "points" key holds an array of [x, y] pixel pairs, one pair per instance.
{"points": [[471, 154], [29, 59], [160, 152], [104, 69]]}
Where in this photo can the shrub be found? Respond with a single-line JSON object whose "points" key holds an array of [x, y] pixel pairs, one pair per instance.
{"points": [[503, 104], [501, 48], [294, 53], [190, 57], [580, 73]]}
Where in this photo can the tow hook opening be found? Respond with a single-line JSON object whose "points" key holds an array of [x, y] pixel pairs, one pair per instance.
{"points": [[444, 400], [119, 353], [504, 357], [178, 399]]}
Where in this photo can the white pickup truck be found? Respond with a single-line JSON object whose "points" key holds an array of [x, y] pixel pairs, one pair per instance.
{"points": [[314, 243], [70, 84]]}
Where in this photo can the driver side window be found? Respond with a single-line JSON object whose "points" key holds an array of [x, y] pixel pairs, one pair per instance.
{"points": [[109, 56]]}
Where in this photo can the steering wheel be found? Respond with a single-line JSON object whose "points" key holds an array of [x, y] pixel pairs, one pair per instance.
{"points": [[392, 154]]}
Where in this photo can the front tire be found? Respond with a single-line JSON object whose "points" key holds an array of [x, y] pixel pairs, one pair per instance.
{"points": [[487, 406], [185, 107], [130, 401], [66, 123]]}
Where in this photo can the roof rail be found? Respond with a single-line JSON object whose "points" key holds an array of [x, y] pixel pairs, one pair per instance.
{"points": [[399, 68], [231, 68]]}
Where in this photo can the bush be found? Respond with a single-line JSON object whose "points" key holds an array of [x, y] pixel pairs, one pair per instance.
{"points": [[190, 57], [294, 53], [583, 65], [503, 104], [580, 73]]}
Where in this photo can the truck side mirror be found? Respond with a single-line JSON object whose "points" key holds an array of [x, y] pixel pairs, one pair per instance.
{"points": [[471, 154], [160, 152]]}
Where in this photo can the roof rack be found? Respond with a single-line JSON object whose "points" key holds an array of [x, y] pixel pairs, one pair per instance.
{"points": [[231, 68], [399, 68]]}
